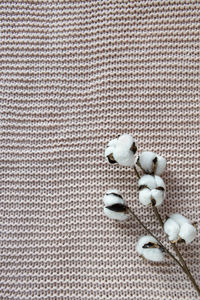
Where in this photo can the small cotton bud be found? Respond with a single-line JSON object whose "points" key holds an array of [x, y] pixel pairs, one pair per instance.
{"points": [[115, 207], [187, 232], [149, 248], [179, 227], [172, 229], [151, 190], [122, 151], [151, 163]]}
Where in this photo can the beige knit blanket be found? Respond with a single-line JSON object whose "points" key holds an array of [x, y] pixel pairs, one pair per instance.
{"points": [[75, 74]]}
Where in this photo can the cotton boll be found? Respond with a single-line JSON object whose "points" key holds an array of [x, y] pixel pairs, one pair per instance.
{"points": [[115, 215], [144, 240], [161, 165], [172, 228], [184, 229], [151, 162], [178, 218], [151, 188], [128, 141], [158, 196], [122, 151], [187, 232], [115, 207], [113, 197], [147, 246], [145, 196], [147, 180], [146, 159], [123, 156]]}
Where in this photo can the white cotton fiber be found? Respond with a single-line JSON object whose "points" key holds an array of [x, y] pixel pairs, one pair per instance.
{"points": [[152, 254], [115, 215], [151, 163], [172, 229], [188, 232]]}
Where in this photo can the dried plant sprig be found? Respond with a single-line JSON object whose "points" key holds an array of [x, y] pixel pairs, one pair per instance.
{"points": [[151, 193], [118, 207]]}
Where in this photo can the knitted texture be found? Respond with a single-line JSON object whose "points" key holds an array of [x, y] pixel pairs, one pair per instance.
{"points": [[75, 75]]}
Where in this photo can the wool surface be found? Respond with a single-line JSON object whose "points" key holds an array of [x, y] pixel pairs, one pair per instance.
{"points": [[74, 75]]}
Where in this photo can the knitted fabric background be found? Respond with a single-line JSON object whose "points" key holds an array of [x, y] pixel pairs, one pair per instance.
{"points": [[73, 76]]}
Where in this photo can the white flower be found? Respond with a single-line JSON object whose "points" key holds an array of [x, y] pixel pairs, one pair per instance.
{"points": [[115, 207], [179, 227], [122, 151], [151, 190], [148, 247], [151, 163]]}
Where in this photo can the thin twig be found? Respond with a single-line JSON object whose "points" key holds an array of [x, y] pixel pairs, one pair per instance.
{"points": [[155, 210], [139, 165], [136, 172]]}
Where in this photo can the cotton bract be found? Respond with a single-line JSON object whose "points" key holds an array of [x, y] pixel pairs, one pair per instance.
{"points": [[179, 227], [115, 207], [122, 151], [151, 190], [151, 163], [148, 247]]}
